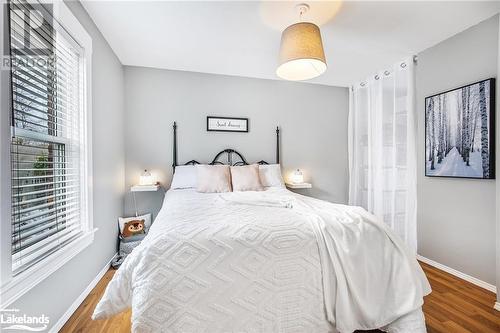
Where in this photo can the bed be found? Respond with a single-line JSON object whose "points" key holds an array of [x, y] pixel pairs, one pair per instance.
{"points": [[269, 261]]}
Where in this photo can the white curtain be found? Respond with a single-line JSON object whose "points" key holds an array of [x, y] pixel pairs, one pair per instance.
{"points": [[382, 153]]}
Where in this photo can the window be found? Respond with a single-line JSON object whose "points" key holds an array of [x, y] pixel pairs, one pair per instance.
{"points": [[51, 215]]}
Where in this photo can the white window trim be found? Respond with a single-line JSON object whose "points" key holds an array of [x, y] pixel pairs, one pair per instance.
{"points": [[14, 287]]}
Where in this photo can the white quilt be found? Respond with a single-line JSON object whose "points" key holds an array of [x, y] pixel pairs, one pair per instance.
{"points": [[266, 262]]}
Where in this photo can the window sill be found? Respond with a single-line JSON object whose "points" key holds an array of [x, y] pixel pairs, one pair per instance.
{"points": [[25, 281]]}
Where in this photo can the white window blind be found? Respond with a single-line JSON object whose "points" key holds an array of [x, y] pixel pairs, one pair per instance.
{"points": [[48, 139]]}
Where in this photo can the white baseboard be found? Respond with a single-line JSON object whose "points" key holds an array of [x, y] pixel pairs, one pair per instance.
{"points": [[60, 323], [497, 306], [463, 276]]}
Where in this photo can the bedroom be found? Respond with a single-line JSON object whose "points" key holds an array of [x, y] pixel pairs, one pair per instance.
{"points": [[397, 116]]}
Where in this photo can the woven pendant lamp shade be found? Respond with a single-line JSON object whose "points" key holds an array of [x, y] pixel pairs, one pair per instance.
{"points": [[301, 52]]}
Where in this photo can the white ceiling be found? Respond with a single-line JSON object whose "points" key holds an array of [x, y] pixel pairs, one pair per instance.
{"points": [[242, 38]]}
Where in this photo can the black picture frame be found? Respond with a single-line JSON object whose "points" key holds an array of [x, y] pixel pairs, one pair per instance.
{"points": [[491, 134], [229, 119]]}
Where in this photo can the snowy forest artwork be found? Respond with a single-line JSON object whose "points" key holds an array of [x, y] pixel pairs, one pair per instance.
{"points": [[459, 132]]}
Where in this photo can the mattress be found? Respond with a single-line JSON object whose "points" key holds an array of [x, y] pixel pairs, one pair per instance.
{"points": [[269, 261]]}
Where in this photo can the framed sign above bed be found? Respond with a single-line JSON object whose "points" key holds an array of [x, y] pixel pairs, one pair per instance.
{"points": [[227, 124], [460, 132]]}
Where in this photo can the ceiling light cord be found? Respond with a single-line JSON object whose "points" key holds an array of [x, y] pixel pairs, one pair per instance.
{"points": [[302, 9]]}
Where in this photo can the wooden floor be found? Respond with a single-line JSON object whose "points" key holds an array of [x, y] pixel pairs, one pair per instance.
{"points": [[454, 306]]}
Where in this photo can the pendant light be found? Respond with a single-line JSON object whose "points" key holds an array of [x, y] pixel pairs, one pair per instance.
{"points": [[301, 52]]}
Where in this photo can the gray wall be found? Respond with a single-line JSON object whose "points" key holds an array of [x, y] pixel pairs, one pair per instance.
{"points": [[456, 217], [312, 118], [56, 293]]}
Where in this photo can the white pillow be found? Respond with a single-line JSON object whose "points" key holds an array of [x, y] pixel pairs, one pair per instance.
{"points": [[213, 178], [246, 178], [184, 177], [270, 175]]}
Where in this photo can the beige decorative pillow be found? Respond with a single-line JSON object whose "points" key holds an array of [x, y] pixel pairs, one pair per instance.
{"points": [[246, 178], [213, 178]]}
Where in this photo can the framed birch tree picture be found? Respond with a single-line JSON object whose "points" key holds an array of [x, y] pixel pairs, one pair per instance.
{"points": [[460, 132]]}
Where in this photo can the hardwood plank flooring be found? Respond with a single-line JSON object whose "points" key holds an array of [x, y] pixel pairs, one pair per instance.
{"points": [[81, 320], [454, 306]]}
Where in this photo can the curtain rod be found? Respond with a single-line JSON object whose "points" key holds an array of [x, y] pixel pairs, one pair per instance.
{"points": [[387, 72]]}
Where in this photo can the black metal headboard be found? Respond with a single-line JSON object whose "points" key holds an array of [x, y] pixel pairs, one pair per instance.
{"points": [[233, 157]]}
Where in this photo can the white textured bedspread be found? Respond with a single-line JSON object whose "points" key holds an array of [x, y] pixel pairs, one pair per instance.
{"points": [[267, 261]]}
